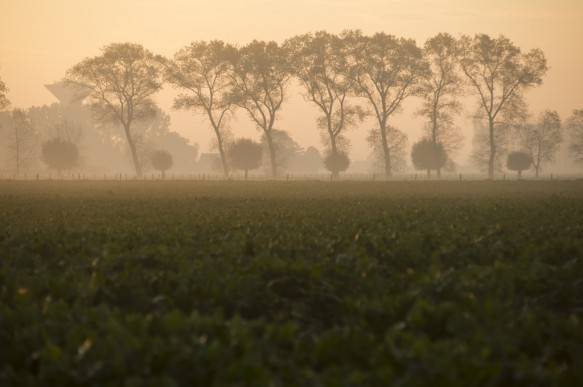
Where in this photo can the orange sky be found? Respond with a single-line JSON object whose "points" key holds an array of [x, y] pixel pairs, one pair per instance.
{"points": [[41, 39]]}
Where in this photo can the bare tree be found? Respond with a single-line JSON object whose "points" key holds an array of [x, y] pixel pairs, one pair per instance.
{"points": [[541, 139], [499, 73], [22, 140], [385, 70], [260, 79], [122, 83], [4, 102], [575, 126], [67, 131], [440, 89], [320, 63], [204, 71]]}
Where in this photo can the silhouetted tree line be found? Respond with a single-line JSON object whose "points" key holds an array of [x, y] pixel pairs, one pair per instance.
{"points": [[347, 77]]}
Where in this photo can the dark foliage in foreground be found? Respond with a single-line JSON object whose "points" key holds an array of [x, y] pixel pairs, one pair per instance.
{"points": [[183, 283]]}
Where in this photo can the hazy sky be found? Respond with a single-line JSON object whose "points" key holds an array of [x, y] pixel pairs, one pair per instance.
{"points": [[41, 39]]}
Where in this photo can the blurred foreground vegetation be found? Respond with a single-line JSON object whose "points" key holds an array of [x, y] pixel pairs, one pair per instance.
{"points": [[291, 283]]}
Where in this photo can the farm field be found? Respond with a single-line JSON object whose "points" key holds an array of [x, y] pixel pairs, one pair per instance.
{"points": [[208, 283]]}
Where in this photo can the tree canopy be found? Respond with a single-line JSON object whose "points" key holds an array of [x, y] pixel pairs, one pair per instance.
{"points": [[161, 160], [385, 71], [499, 74], [261, 75], [542, 138], [518, 161], [320, 62], [428, 155], [245, 154], [122, 82], [336, 162], [203, 72], [440, 89], [60, 154]]}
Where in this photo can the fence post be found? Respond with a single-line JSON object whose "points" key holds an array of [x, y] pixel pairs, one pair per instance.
{"points": [[460, 177], [551, 177]]}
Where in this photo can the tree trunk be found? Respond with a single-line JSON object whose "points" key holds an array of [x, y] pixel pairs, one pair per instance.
{"points": [[335, 174], [519, 173], [386, 151], [222, 153], [17, 148], [134, 152], [434, 132], [271, 153], [492, 151]]}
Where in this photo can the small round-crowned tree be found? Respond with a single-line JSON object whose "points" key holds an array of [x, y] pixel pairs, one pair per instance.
{"points": [[336, 162], [428, 155], [245, 154], [518, 161], [60, 154], [161, 161]]}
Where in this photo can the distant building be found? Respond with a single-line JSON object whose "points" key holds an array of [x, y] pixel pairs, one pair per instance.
{"points": [[68, 94]]}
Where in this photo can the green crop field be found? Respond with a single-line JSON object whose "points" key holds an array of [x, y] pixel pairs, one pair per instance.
{"points": [[291, 283]]}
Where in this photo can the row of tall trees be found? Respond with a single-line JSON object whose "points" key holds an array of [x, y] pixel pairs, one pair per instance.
{"points": [[348, 77], [381, 70]]}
